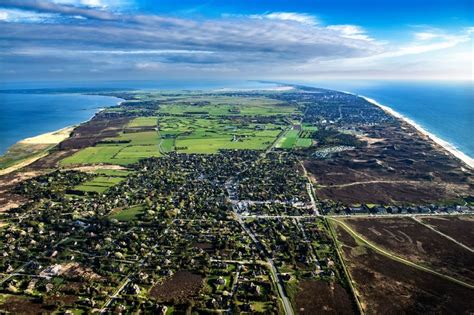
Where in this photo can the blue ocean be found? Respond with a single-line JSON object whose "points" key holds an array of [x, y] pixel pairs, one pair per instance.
{"points": [[25, 115], [445, 109]]}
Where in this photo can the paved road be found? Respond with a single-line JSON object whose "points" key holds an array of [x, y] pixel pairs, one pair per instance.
{"points": [[310, 190], [113, 296]]}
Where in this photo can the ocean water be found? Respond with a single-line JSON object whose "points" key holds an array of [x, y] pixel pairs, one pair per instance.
{"points": [[31, 108], [445, 109], [27, 115]]}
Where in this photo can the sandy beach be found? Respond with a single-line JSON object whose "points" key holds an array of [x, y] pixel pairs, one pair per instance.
{"points": [[444, 144], [53, 137]]}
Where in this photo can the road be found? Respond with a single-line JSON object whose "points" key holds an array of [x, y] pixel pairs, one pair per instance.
{"points": [[444, 235], [399, 259], [113, 296], [310, 190], [288, 310], [344, 267]]}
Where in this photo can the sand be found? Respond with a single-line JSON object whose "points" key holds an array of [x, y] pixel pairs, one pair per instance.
{"points": [[53, 137], [444, 144], [49, 138]]}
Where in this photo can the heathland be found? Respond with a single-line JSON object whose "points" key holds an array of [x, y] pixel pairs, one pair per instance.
{"points": [[294, 200]]}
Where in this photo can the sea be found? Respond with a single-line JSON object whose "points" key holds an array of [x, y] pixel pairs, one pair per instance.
{"points": [[445, 109]]}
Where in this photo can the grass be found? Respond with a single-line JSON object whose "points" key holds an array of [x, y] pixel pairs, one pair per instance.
{"points": [[303, 142], [99, 184], [20, 152], [194, 124], [115, 173], [213, 145], [292, 140], [289, 140], [128, 214], [143, 122], [93, 155], [141, 145]]}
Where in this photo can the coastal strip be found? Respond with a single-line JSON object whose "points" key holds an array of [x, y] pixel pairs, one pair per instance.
{"points": [[468, 161], [29, 150], [36, 147]]}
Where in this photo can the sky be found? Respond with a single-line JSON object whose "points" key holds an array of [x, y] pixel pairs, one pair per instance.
{"points": [[190, 39]]}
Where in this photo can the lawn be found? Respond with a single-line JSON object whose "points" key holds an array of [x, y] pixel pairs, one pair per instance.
{"points": [[213, 145], [143, 122], [289, 140], [303, 142], [292, 140], [93, 155], [128, 214], [114, 173], [98, 184]]}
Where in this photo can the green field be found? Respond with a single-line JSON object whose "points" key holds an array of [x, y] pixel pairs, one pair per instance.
{"points": [[98, 184], [292, 140], [143, 122], [200, 124], [289, 140], [128, 214]]}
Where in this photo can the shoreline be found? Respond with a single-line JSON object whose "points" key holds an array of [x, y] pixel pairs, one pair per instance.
{"points": [[468, 161], [51, 138]]}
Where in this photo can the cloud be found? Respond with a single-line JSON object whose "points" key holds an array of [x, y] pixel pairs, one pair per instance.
{"points": [[77, 36], [288, 16], [351, 31], [14, 15], [67, 9]]}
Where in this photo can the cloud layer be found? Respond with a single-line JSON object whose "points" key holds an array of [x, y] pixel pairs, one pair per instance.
{"points": [[90, 38]]}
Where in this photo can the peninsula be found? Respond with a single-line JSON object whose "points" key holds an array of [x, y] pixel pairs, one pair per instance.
{"points": [[290, 200]]}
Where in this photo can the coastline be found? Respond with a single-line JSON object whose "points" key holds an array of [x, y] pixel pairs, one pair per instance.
{"points": [[45, 141], [468, 161]]}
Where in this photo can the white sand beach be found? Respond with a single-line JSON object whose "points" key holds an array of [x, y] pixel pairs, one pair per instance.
{"points": [[446, 145]]}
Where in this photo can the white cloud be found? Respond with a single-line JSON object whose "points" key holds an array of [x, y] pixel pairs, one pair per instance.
{"points": [[426, 35], [3, 15], [288, 16], [21, 16], [351, 31]]}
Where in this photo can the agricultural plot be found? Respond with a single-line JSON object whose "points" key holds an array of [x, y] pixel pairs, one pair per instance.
{"points": [[128, 214], [295, 139], [126, 148], [227, 106], [411, 240], [198, 135], [386, 286], [99, 184], [143, 122]]}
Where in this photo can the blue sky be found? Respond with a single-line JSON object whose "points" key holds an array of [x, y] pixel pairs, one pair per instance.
{"points": [[152, 40]]}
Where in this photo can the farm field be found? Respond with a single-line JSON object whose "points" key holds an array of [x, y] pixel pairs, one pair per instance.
{"points": [[143, 122], [193, 125], [128, 214], [386, 286], [411, 240], [461, 228], [294, 139], [102, 182], [126, 148]]}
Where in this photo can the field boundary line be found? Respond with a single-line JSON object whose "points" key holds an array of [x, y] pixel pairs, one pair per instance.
{"points": [[351, 282], [399, 259], [442, 234]]}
